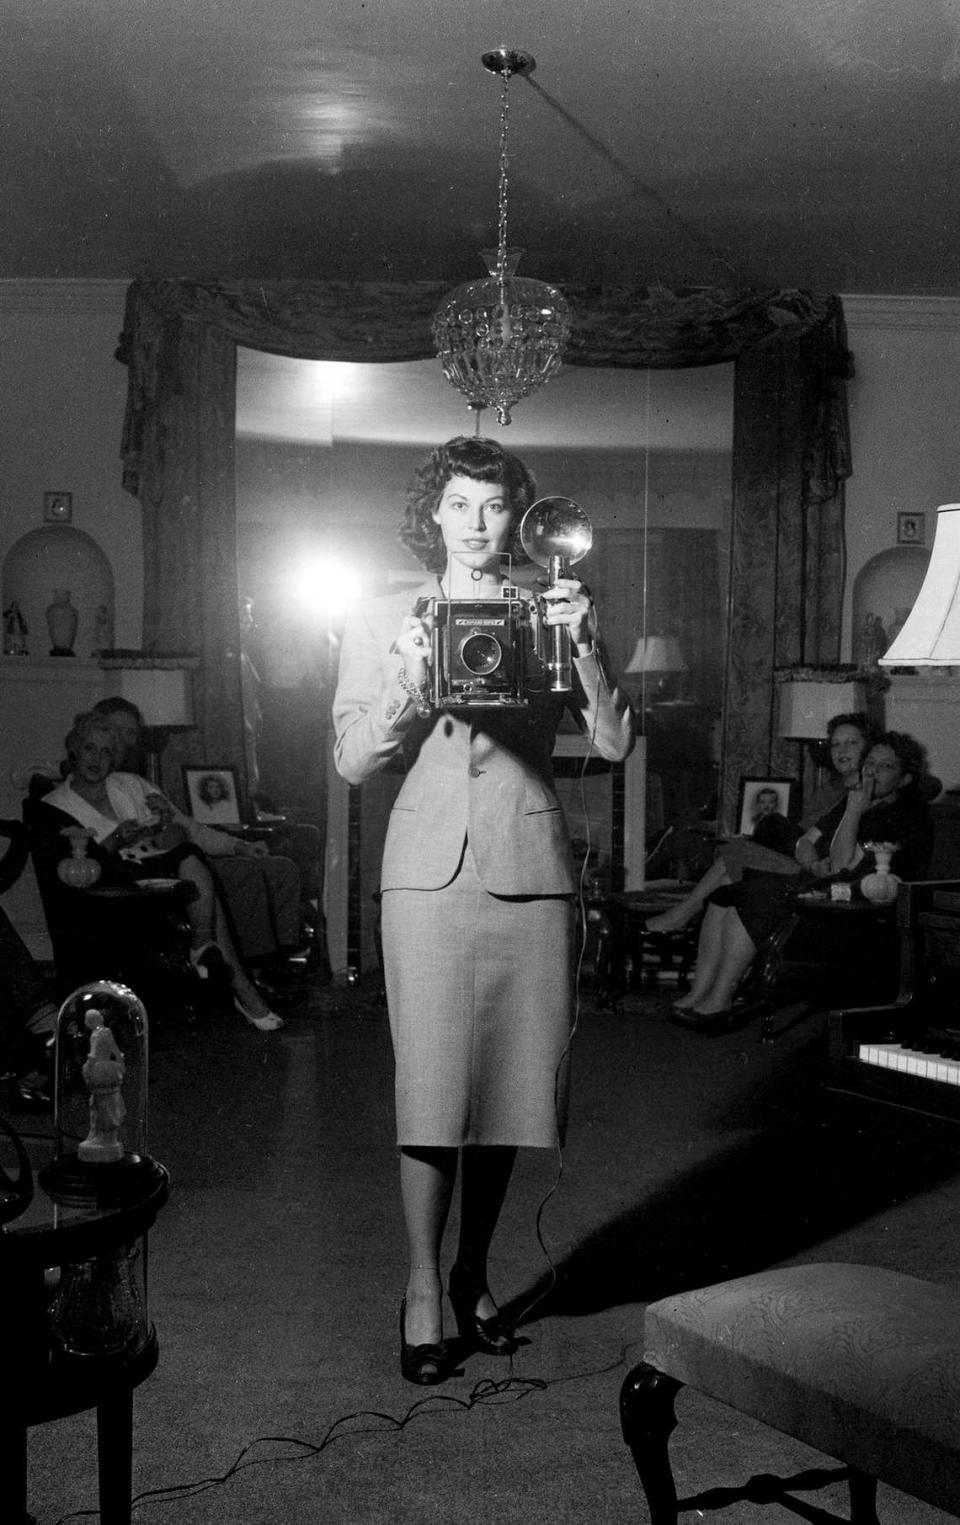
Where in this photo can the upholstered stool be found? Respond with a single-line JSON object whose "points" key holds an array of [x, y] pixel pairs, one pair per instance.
{"points": [[857, 1362]]}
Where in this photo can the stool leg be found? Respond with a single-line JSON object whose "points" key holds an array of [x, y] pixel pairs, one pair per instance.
{"points": [[115, 1457], [863, 1499], [647, 1420]]}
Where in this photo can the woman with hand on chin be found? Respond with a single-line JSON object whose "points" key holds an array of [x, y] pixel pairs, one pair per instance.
{"points": [[477, 883], [887, 804]]}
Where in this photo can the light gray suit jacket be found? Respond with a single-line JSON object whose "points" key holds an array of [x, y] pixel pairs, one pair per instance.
{"points": [[482, 773]]}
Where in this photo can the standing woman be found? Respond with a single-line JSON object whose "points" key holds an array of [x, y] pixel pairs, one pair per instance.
{"points": [[477, 884]]}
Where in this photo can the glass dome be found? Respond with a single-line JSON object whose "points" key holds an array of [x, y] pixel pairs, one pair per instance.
{"points": [[100, 1096]]}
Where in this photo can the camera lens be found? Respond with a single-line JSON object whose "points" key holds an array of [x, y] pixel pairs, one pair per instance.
{"points": [[480, 654]]}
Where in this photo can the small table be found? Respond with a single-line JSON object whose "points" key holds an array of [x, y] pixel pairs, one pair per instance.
{"points": [[840, 952], [40, 1385]]}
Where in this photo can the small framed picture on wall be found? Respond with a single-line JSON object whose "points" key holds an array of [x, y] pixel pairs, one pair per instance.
{"points": [[910, 529]]}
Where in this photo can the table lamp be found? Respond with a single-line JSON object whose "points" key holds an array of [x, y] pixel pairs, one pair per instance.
{"points": [[657, 657], [809, 699], [161, 689]]}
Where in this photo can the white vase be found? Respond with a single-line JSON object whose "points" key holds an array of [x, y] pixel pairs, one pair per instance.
{"points": [[62, 623], [78, 871], [880, 887]]}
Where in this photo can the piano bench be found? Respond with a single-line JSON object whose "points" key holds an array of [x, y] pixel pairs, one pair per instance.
{"points": [[857, 1362]]}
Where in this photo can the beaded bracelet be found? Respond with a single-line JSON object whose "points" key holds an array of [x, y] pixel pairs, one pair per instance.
{"points": [[416, 691]]}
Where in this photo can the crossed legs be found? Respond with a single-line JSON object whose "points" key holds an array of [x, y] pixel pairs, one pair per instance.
{"points": [[679, 915]]}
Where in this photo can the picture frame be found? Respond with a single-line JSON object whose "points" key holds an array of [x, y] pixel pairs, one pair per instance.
{"points": [[212, 793], [757, 792], [910, 529]]}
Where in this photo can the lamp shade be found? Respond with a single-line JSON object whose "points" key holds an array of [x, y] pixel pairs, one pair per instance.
{"points": [[808, 704], [160, 687], [930, 636], [657, 653]]}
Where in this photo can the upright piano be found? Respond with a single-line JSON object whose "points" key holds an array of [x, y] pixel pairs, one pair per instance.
{"points": [[906, 1055]]}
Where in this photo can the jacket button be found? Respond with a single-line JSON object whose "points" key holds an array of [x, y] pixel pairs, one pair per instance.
{"points": [[475, 772]]}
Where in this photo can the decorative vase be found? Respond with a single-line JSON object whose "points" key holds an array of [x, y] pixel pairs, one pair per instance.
{"points": [[78, 871], [62, 623], [881, 885]]}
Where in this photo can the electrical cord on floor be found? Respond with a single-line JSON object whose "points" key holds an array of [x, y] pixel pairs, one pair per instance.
{"points": [[486, 1391]]}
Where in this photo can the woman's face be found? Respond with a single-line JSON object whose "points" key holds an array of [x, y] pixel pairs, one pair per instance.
{"points": [[94, 760], [476, 521], [847, 746], [883, 765]]}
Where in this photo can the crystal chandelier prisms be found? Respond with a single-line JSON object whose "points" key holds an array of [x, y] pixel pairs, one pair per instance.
{"points": [[501, 338]]}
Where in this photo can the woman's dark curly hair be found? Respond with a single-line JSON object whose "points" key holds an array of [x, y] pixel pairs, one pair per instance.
{"points": [[483, 460], [911, 756]]}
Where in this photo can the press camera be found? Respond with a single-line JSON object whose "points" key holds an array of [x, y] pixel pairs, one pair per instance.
{"points": [[483, 650], [496, 651]]}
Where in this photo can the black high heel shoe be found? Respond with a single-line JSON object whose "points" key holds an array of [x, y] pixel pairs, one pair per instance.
{"points": [[495, 1335], [426, 1365]]}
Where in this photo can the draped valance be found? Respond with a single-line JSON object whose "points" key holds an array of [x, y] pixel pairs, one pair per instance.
{"points": [[791, 454]]}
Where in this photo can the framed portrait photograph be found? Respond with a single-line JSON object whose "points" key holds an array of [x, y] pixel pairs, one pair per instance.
{"points": [[910, 529], [212, 796], [765, 798]]}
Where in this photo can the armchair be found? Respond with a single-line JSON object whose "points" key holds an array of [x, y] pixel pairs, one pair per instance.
{"points": [[138, 937]]}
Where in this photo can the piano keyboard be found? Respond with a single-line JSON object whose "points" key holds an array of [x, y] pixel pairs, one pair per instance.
{"points": [[911, 1061]]}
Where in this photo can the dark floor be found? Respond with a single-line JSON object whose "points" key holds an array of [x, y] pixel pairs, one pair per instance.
{"points": [[277, 1265]]}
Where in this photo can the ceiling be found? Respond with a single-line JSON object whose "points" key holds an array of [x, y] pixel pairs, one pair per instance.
{"points": [[739, 142]]}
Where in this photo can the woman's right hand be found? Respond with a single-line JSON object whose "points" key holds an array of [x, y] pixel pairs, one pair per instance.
{"points": [[413, 646], [126, 834], [860, 797]]}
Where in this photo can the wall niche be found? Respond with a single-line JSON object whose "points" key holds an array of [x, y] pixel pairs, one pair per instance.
{"points": [[42, 566]]}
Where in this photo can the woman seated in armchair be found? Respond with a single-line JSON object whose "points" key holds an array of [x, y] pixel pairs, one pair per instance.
{"points": [[136, 833], [887, 805]]}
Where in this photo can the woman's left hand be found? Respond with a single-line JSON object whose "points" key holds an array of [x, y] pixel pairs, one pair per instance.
{"points": [[568, 603]]}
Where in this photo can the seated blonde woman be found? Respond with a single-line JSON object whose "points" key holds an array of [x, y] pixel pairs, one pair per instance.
{"points": [[136, 833]]}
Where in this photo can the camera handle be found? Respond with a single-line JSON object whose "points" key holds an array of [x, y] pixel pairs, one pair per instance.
{"points": [[559, 661]]}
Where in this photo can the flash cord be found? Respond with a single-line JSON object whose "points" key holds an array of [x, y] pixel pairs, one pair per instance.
{"points": [[363, 1422], [575, 1023]]}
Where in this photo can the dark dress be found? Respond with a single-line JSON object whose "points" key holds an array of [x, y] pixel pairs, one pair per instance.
{"points": [[760, 900]]}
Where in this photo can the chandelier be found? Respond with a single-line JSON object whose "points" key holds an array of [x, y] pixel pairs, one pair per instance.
{"points": [[501, 338]]}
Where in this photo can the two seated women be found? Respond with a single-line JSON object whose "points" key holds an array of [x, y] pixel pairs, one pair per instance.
{"points": [[884, 801]]}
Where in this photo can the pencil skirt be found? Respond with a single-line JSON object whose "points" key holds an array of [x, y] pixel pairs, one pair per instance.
{"points": [[479, 992]]}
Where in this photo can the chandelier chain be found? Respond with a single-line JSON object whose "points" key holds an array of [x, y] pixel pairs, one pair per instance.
{"points": [[499, 339], [503, 186]]}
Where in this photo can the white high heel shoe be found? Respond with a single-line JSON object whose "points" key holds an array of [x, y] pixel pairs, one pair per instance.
{"points": [[268, 1023]]}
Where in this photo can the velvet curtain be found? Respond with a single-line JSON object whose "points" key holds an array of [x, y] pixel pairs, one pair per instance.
{"points": [[790, 457]]}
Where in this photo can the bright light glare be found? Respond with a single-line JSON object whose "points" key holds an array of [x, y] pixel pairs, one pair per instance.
{"points": [[326, 587]]}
